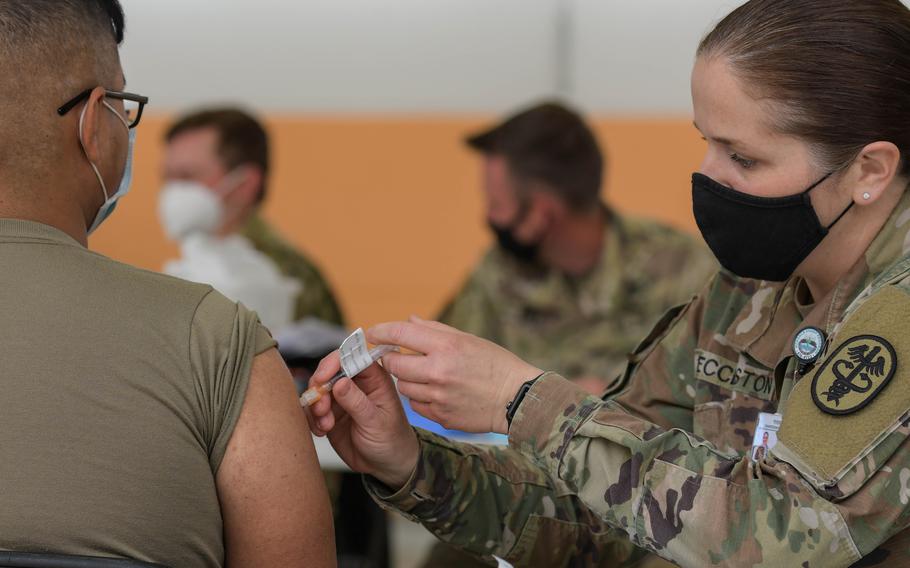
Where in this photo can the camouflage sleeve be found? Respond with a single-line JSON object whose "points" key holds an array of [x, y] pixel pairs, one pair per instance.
{"points": [[698, 267], [666, 352], [472, 310], [316, 298], [525, 513], [675, 494], [493, 501], [672, 269]]}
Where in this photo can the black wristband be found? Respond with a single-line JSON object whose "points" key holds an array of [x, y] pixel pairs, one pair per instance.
{"points": [[512, 407]]}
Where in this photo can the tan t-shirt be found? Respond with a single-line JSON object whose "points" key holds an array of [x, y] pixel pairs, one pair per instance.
{"points": [[119, 391]]}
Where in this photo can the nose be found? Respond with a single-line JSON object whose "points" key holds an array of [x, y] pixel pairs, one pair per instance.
{"points": [[713, 166], [708, 166]]}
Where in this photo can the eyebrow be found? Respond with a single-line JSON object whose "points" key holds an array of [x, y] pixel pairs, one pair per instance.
{"points": [[724, 141]]}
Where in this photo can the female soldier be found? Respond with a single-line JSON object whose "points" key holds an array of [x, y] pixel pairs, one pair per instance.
{"points": [[805, 107]]}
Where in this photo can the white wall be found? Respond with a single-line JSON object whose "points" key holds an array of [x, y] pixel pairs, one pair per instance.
{"points": [[415, 56], [340, 55], [635, 56]]}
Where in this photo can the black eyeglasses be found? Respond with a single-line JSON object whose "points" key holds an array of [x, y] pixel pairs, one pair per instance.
{"points": [[133, 104]]}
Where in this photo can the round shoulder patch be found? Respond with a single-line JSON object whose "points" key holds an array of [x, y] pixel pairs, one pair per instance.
{"points": [[853, 375], [809, 344]]}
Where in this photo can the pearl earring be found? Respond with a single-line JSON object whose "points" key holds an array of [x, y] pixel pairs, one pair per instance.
{"points": [[867, 196]]}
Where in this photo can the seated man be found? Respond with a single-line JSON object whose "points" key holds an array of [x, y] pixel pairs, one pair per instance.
{"points": [[216, 170], [571, 284], [144, 417]]}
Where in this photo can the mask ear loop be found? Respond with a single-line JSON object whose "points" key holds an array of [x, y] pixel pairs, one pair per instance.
{"points": [[816, 184], [82, 144], [117, 114], [844, 212], [232, 180]]}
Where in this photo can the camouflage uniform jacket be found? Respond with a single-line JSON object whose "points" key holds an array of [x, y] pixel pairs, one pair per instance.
{"points": [[316, 298], [665, 460], [584, 326]]}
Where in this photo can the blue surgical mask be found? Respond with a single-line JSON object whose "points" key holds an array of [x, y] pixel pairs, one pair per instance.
{"points": [[110, 201]]}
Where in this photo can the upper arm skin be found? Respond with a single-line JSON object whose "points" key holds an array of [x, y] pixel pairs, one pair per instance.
{"points": [[273, 497]]}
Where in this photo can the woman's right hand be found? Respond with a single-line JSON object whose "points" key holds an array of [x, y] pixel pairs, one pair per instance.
{"points": [[365, 423]]}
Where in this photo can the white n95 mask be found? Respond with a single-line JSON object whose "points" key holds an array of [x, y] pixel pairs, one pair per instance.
{"points": [[186, 207]]}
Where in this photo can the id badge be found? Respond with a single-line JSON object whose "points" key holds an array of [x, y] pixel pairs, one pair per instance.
{"points": [[765, 434]]}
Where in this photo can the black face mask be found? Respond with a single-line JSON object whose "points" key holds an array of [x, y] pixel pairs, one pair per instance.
{"points": [[505, 238], [757, 237]]}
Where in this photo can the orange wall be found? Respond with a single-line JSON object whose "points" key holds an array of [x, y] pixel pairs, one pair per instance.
{"points": [[391, 208]]}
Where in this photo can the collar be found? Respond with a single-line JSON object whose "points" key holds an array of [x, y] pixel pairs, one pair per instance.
{"points": [[257, 231], [596, 292], [600, 291], [21, 230], [776, 311]]}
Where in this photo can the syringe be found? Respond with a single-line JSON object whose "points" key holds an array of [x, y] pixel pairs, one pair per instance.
{"points": [[313, 394]]}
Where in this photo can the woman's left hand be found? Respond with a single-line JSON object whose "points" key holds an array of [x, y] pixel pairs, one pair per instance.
{"points": [[456, 379]]}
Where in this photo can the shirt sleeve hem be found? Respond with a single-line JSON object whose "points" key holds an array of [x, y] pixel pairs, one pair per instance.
{"points": [[552, 408], [415, 491]]}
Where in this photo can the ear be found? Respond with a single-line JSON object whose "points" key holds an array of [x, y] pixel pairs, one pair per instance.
{"points": [[249, 186], [91, 132], [545, 210], [873, 171]]}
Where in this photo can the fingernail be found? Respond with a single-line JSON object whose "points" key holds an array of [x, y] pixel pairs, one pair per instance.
{"points": [[342, 387]]}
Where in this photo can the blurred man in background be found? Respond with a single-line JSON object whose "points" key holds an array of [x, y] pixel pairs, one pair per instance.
{"points": [[570, 283], [216, 171]]}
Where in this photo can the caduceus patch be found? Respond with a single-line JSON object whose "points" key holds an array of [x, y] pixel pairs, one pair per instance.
{"points": [[854, 374]]}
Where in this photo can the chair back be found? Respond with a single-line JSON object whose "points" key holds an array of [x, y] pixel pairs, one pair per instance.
{"points": [[40, 560]]}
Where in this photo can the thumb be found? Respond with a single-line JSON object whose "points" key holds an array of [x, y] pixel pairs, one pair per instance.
{"points": [[350, 398]]}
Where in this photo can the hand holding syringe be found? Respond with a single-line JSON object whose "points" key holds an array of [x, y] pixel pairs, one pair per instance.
{"points": [[355, 358]]}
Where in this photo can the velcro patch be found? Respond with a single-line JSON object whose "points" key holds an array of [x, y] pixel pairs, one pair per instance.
{"points": [[717, 370], [854, 374], [858, 394]]}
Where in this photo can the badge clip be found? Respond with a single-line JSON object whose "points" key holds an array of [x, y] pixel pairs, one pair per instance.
{"points": [[808, 346]]}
